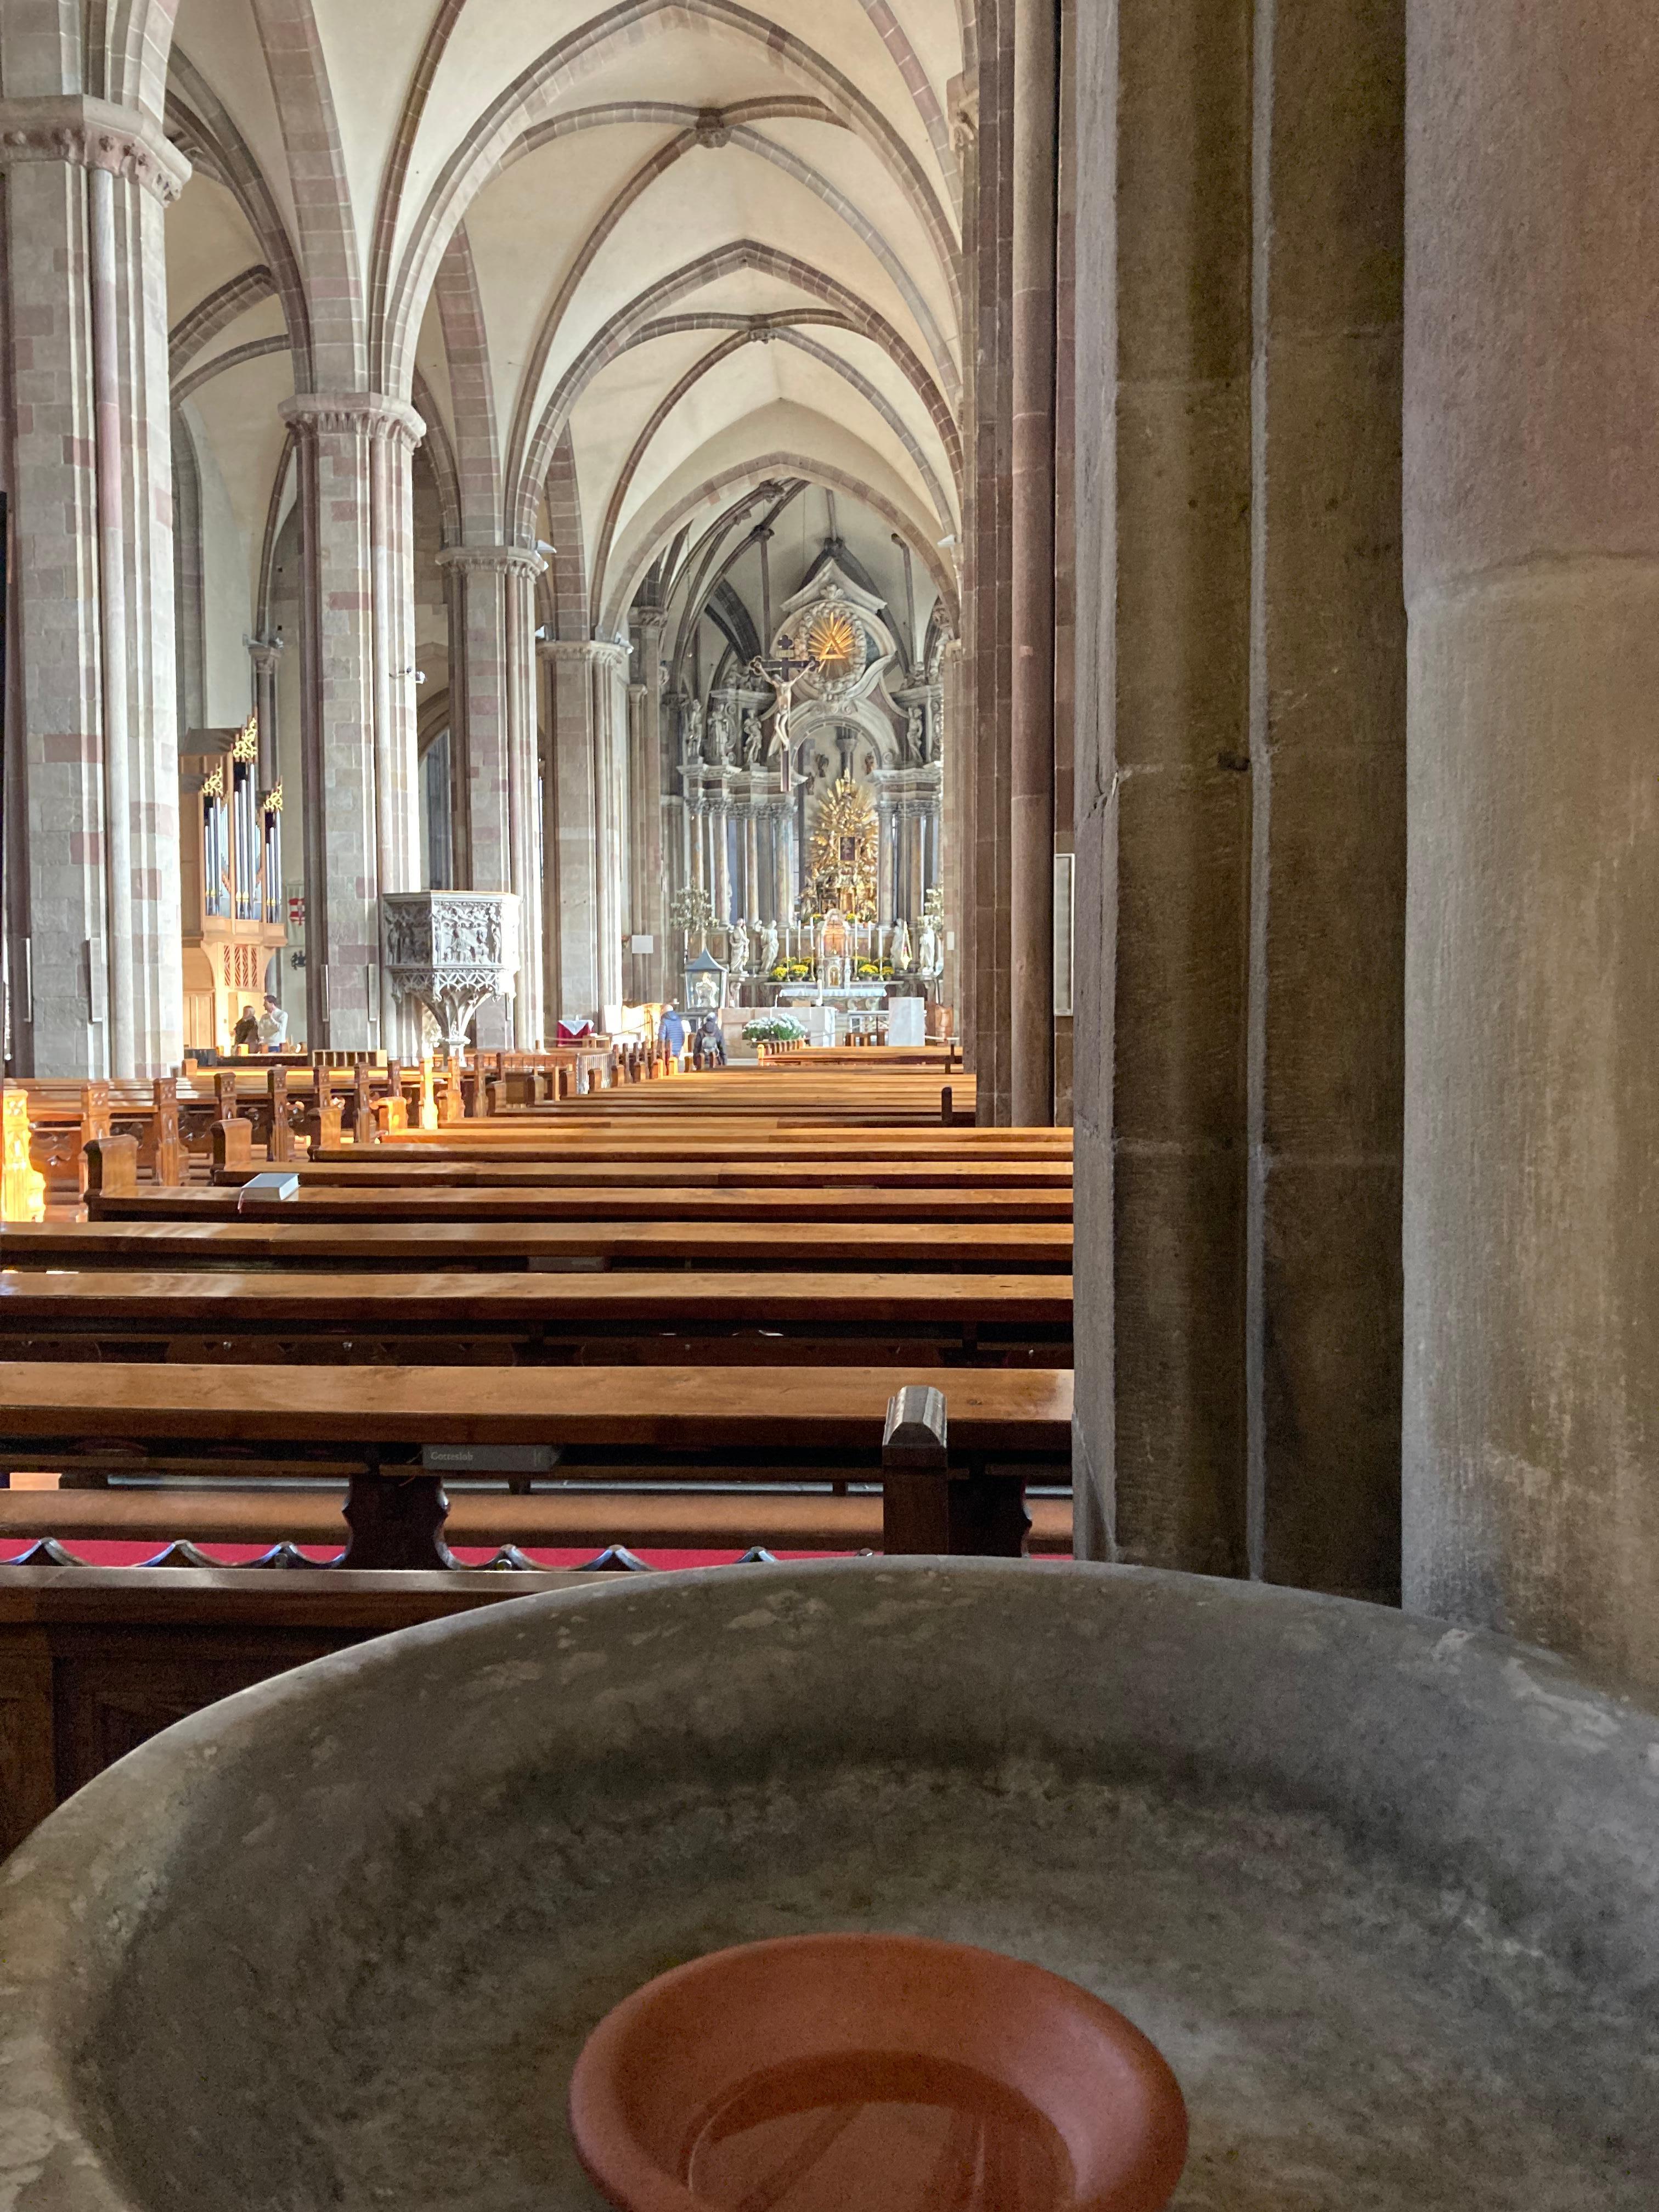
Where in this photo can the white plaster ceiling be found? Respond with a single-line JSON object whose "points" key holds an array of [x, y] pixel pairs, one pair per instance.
{"points": [[209, 241], [842, 167]]}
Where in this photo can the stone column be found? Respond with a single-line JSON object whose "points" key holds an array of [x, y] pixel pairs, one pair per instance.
{"points": [[783, 880], [493, 722], [92, 767], [955, 820], [1532, 1000], [642, 813], [750, 862], [658, 831], [357, 705], [1032, 772], [699, 845], [1239, 805], [611, 722], [719, 819], [475, 577], [1328, 801], [585, 829], [524, 778], [884, 862], [571, 837]]}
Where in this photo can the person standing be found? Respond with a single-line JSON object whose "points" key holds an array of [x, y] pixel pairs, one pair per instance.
{"points": [[273, 1025], [672, 1031]]}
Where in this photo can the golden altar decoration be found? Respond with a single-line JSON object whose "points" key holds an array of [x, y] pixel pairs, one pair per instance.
{"points": [[844, 852]]}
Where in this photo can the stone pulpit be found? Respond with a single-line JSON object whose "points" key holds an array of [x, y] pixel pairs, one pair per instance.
{"points": [[450, 951]]}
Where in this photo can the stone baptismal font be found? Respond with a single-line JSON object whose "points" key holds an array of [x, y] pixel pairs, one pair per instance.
{"points": [[1384, 1895]]}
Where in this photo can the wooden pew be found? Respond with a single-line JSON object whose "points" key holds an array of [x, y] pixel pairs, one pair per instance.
{"points": [[94, 1661], [657, 1517], [662, 1202], [814, 1060], [439, 1170], [802, 1145], [63, 1118], [1039, 1247], [953, 1448], [765, 1318]]}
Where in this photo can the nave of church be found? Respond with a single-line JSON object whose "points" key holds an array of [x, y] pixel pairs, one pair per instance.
{"points": [[827, 871]]}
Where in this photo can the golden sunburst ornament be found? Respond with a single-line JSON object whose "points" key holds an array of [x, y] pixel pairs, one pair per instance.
{"points": [[832, 642]]}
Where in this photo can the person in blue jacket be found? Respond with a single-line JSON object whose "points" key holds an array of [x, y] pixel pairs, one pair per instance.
{"points": [[670, 1030]]}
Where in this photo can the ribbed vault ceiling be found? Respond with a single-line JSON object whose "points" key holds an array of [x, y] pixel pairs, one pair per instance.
{"points": [[629, 261]]}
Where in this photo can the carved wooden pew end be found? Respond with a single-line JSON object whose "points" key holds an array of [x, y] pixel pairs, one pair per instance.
{"points": [[112, 1168]]}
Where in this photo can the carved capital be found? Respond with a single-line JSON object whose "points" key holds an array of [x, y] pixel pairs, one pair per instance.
{"points": [[493, 559], [92, 134], [596, 651], [359, 414]]}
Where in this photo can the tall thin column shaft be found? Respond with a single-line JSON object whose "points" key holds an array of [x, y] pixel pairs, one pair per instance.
{"points": [[357, 704], [1031, 775]]}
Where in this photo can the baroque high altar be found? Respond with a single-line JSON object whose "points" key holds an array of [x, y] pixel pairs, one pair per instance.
{"points": [[779, 758]]}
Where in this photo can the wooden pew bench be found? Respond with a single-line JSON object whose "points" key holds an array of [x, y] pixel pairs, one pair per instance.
{"points": [[504, 1521], [954, 1449], [64, 1117], [96, 1661], [391, 1202], [1022, 1247], [440, 1170], [521, 1319], [716, 1142]]}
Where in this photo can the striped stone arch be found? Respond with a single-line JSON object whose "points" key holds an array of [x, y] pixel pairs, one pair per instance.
{"points": [[203, 127], [472, 391], [277, 512], [625, 329], [298, 68], [532, 99], [443, 27], [738, 122], [567, 567], [647, 540], [193, 333], [441, 455], [779, 332]]}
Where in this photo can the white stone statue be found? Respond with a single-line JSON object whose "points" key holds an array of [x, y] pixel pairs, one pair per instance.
{"points": [[929, 958], [737, 958], [770, 955], [690, 733], [898, 952], [723, 735], [751, 738], [915, 735]]}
